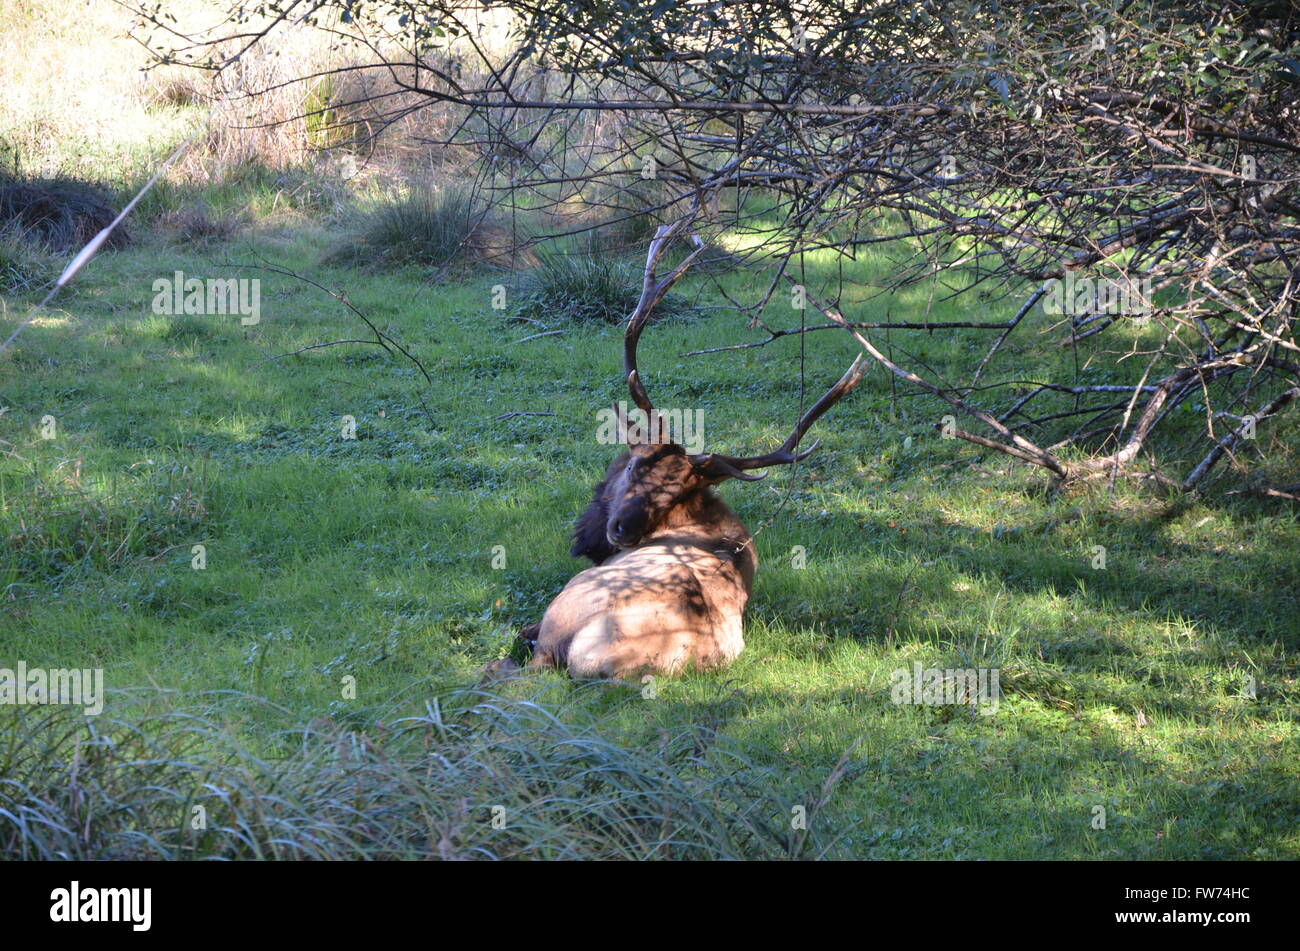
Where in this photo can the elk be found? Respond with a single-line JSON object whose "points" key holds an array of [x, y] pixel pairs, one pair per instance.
{"points": [[673, 565]]}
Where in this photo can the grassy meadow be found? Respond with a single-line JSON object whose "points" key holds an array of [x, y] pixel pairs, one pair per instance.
{"points": [[313, 689]]}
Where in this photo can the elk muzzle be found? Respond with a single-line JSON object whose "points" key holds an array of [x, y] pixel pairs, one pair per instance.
{"points": [[627, 525]]}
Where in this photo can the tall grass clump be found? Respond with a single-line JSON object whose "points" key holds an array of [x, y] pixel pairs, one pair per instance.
{"points": [[474, 775], [583, 285], [423, 225]]}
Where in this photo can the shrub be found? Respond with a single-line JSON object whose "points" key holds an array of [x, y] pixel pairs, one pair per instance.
{"points": [[60, 213]]}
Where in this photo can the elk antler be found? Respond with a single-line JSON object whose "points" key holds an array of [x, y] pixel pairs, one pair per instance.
{"points": [[736, 467], [652, 292]]}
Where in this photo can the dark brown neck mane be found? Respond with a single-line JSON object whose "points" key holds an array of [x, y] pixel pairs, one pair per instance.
{"points": [[701, 519]]}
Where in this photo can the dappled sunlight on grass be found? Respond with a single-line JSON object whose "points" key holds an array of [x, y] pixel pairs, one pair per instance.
{"points": [[373, 557]]}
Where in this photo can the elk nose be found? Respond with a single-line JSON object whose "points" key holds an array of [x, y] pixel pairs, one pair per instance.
{"points": [[620, 532], [625, 528]]}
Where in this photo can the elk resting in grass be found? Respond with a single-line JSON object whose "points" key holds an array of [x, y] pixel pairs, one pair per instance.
{"points": [[674, 566]]}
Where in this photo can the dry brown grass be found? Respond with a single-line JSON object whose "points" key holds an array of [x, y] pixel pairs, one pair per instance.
{"points": [[198, 221], [495, 246]]}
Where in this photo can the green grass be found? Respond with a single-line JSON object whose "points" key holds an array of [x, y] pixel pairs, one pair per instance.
{"points": [[329, 558]]}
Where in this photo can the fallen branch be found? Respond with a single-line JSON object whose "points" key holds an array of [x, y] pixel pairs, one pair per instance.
{"points": [[1229, 442], [1021, 447], [545, 333], [314, 346], [1028, 305], [1289, 492], [857, 325], [382, 339]]}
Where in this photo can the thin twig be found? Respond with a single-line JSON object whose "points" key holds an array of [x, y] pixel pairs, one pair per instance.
{"points": [[314, 346], [545, 333]]}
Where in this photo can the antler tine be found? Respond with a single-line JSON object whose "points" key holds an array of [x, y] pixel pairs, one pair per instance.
{"points": [[652, 292], [737, 467]]}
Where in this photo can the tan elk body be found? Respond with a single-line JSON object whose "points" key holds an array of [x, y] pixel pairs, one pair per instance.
{"points": [[675, 599], [674, 566]]}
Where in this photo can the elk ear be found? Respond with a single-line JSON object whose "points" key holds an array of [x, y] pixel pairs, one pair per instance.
{"points": [[715, 469]]}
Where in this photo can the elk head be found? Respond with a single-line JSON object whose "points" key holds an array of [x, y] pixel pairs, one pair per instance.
{"points": [[656, 483]]}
